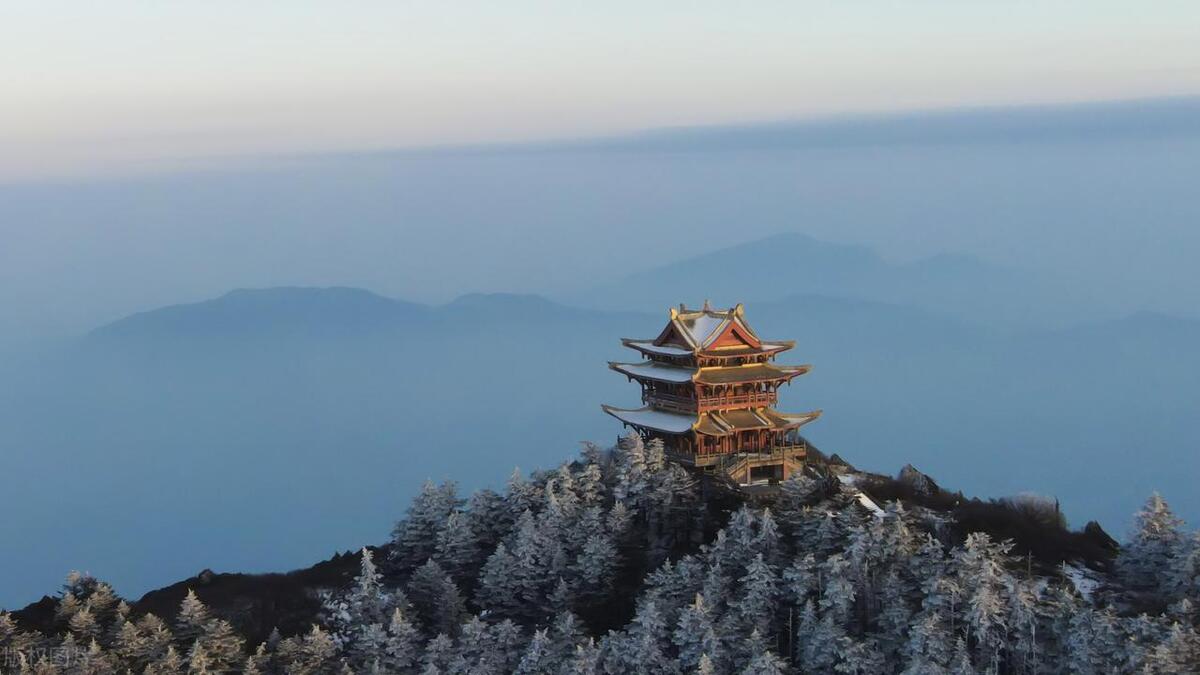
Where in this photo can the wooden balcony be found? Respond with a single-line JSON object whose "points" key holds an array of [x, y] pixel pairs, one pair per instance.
{"points": [[689, 405]]}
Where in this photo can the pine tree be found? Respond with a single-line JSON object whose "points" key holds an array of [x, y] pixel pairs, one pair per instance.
{"points": [[767, 541], [142, 643], [439, 653], [222, 646], [860, 657], [192, 618], [497, 590], [585, 661], [566, 634], [252, 665], [765, 664], [981, 568], [822, 645], [317, 655], [756, 603], [695, 636], [415, 538], [489, 518], [509, 644], [436, 599], [928, 649], [895, 617], [536, 660], [83, 625], [631, 468], [800, 580], [960, 664], [1147, 561], [596, 568], [1183, 579], [619, 521], [169, 664], [457, 548], [401, 651], [643, 648], [103, 602], [837, 597], [522, 496], [96, 661], [589, 485]]}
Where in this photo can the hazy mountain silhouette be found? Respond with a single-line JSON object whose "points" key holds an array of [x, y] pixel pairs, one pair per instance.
{"points": [[270, 311], [788, 264], [266, 428], [1142, 119]]}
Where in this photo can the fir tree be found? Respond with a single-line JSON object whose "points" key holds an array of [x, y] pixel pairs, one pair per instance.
{"points": [[1149, 558], [401, 651], [765, 664], [415, 538], [756, 602], [537, 659], [695, 635], [222, 646], [457, 548], [192, 618], [436, 599]]}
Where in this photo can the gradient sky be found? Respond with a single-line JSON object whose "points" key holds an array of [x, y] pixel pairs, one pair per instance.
{"points": [[97, 88]]}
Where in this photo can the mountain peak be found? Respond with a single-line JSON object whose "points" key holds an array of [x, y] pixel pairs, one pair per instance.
{"points": [[267, 311]]}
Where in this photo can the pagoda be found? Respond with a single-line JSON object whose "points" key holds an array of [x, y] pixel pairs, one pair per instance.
{"points": [[709, 390]]}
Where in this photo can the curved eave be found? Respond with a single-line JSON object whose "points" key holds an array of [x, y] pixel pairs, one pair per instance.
{"points": [[726, 423], [655, 420], [767, 347], [797, 420], [744, 374], [648, 347], [652, 371]]}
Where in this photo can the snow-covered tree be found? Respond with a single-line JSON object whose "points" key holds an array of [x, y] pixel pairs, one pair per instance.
{"points": [[436, 599], [1148, 560], [756, 603], [193, 616], [696, 636], [415, 538]]}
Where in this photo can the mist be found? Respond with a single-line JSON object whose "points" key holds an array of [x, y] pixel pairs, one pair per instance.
{"points": [[1098, 198], [260, 432]]}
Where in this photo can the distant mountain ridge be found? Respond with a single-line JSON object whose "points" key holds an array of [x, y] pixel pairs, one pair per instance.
{"points": [[278, 309], [325, 390], [793, 263], [298, 310]]}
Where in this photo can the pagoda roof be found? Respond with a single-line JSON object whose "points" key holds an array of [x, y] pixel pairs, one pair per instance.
{"points": [[764, 348], [648, 347], [701, 328], [651, 370], [721, 423], [731, 421], [713, 332], [756, 372], [652, 418]]}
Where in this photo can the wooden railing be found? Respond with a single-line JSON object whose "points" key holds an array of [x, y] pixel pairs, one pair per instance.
{"points": [[686, 404]]}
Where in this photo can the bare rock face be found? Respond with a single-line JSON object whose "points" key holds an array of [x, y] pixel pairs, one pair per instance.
{"points": [[919, 482]]}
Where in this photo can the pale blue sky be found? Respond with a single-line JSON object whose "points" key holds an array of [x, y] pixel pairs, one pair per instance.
{"points": [[119, 85]]}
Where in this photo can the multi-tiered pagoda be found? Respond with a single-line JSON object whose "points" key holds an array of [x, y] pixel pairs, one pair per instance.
{"points": [[709, 386]]}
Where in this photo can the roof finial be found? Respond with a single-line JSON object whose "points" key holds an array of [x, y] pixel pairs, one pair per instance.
{"points": [[707, 305], [739, 309], [674, 313]]}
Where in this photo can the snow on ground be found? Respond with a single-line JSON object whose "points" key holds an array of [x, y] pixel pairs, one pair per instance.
{"points": [[1085, 582], [870, 504]]}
